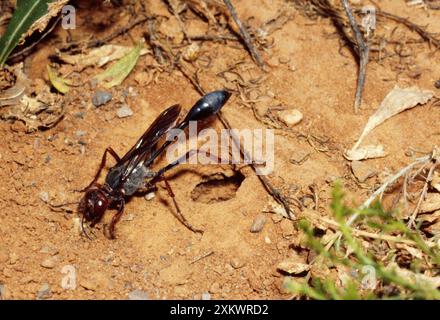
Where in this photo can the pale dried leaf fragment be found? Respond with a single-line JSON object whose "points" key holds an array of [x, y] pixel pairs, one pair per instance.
{"points": [[415, 278], [431, 203], [293, 266], [435, 183], [429, 217], [99, 56], [367, 152], [278, 210], [40, 112], [12, 96], [396, 101]]}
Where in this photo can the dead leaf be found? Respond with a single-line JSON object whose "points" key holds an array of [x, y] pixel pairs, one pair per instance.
{"points": [[431, 203], [367, 152], [99, 56], [278, 209], [415, 278], [435, 183], [293, 266], [40, 112], [12, 95], [429, 217], [434, 228], [362, 171], [396, 101]]}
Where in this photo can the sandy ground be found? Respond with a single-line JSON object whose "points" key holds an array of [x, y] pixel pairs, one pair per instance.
{"points": [[154, 252]]}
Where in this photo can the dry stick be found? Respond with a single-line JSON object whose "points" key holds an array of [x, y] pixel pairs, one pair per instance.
{"points": [[380, 191], [371, 235], [100, 42], [173, 8], [208, 37], [266, 183], [412, 26], [209, 253], [245, 35], [363, 55], [394, 178], [411, 221]]}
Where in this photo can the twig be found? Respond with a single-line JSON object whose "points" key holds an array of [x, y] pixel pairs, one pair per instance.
{"points": [[411, 221], [412, 26], [176, 14], [209, 253], [378, 236], [245, 35], [363, 55], [154, 42], [381, 190], [213, 37], [394, 178], [100, 42], [276, 194]]}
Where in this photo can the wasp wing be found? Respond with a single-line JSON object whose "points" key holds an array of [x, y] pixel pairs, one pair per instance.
{"points": [[146, 144]]}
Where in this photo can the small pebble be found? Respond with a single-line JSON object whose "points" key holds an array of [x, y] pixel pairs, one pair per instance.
{"points": [[80, 133], [49, 250], [258, 224], [362, 171], [44, 196], [277, 218], [136, 268], [437, 84], [101, 97], [44, 292], [13, 258], [215, 288], [292, 266], [290, 117], [124, 111], [138, 295], [206, 296], [49, 263], [89, 284], [2, 291], [150, 196], [237, 263], [80, 115]]}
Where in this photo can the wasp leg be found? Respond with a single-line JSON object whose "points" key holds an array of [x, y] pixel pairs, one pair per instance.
{"points": [[179, 214], [159, 176], [110, 232], [102, 165]]}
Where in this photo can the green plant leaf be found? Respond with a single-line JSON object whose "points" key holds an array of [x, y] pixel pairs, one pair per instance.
{"points": [[116, 73], [25, 14]]}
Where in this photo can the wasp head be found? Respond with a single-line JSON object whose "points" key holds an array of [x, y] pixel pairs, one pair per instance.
{"points": [[93, 204]]}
